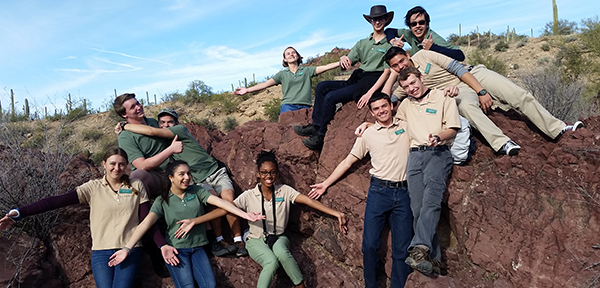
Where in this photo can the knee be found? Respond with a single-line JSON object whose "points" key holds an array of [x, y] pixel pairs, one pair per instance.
{"points": [[227, 194], [370, 244], [270, 265], [142, 175]]}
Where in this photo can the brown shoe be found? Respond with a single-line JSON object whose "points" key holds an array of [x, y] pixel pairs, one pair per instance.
{"points": [[419, 260], [241, 249]]}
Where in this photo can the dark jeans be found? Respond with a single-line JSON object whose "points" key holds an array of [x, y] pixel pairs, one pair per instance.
{"points": [[327, 95], [385, 204], [193, 265], [120, 276], [427, 173]]}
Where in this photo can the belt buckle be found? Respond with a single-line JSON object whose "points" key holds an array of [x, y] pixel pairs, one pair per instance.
{"points": [[394, 185]]}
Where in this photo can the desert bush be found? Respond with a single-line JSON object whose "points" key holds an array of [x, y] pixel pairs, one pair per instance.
{"points": [[229, 124], [272, 109], [491, 62], [543, 60], [570, 38], [546, 47], [484, 43], [562, 98], [209, 124], [501, 46], [226, 101], [565, 27], [522, 43], [92, 134]]}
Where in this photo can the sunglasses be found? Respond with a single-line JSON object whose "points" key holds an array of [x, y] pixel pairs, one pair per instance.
{"points": [[379, 19], [413, 24]]}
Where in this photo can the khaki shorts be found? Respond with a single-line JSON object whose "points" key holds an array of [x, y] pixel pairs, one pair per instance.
{"points": [[219, 180]]}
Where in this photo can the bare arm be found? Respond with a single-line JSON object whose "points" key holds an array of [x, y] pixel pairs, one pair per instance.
{"points": [[188, 224], [140, 230], [445, 135], [155, 161], [257, 87], [389, 83], [149, 130], [320, 188], [216, 201], [318, 206], [485, 101], [321, 69], [365, 98]]}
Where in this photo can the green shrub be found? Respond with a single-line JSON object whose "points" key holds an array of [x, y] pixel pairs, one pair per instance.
{"points": [[501, 46], [207, 123], [570, 38], [565, 27], [229, 124], [546, 47], [484, 43], [543, 60], [522, 43], [491, 62], [272, 109], [92, 134], [226, 101]]}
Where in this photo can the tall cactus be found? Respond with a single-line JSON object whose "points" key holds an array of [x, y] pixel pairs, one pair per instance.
{"points": [[12, 103], [147, 98], [555, 18], [26, 108]]}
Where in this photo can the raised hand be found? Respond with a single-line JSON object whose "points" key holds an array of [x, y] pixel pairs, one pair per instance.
{"points": [[398, 42], [176, 146], [427, 42]]}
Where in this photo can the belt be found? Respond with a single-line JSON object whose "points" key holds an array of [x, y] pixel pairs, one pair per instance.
{"points": [[389, 184], [429, 148]]}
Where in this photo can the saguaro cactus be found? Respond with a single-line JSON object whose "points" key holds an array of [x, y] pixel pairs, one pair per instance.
{"points": [[555, 18], [26, 108], [12, 103]]}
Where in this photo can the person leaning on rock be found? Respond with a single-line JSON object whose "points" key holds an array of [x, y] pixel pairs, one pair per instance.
{"points": [[363, 83], [479, 89]]}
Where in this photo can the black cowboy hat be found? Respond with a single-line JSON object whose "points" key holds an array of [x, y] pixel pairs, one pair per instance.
{"points": [[378, 11]]}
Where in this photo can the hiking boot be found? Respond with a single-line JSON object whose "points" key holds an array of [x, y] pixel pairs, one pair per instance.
{"points": [[241, 249], [573, 127], [436, 266], [419, 260], [510, 148], [222, 248], [315, 142], [306, 130]]}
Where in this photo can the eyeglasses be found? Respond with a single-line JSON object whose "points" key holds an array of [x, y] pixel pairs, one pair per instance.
{"points": [[268, 173], [420, 22], [379, 19]]}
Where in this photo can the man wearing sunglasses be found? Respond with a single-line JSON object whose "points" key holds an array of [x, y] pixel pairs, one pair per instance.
{"points": [[420, 36]]}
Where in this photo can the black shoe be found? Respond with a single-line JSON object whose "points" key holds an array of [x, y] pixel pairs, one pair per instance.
{"points": [[306, 130], [315, 142], [241, 249], [222, 248]]}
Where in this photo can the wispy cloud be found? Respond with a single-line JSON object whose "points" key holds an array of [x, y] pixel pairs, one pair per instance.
{"points": [[130, 56]]}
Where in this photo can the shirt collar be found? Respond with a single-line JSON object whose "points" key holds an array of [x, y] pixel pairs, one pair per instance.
{"points": [[395, 123]]}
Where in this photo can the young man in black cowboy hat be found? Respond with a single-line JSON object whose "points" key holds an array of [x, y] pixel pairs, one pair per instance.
{"points": [[365, 81]]}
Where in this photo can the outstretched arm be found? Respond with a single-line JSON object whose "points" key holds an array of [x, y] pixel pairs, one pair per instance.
{"points": [[140, 230], [149, 130], [320, 188], [257, 87], [188, 224], [321, 69], [216, 201], [318, 206]]}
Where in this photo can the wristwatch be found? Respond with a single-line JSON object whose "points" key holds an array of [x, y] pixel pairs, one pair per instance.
{"points": [[482, 92], [123, 125]]}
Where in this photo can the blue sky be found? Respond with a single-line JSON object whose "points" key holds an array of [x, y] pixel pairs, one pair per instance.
{"points": [[90, 48]]}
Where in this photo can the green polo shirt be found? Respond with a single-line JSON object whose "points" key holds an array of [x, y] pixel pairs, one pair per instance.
{"points": [[370, 54], [191, 206], [201, 163], [142, 146], [415, 44], [296, 87]]}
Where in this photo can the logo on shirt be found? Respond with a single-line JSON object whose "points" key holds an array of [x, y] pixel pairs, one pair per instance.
{"points": [[279, 199], [431, 111], [381, 50], [427, 68], [125, 191], [189, 197], [398, 132], [300, 73]]}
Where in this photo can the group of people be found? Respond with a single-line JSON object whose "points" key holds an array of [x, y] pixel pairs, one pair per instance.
{"points": [[409, 151]]}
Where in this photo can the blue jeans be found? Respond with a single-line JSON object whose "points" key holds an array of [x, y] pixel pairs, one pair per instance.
{"points": [[120, 276], [427, 173], [393, 205], [292, 107], [327, 95], [193, 264]]}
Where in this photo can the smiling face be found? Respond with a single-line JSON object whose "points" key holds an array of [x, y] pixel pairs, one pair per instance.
{"points": [[134, 111], [115, 167], [166, 121], [382, 111], [267, 174], [400, 62], [418, 26], [413, 86], [290, 55], [379, 23], [181, 178]]}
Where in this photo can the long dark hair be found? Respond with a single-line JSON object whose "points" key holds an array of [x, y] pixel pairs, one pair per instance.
{"points": [[118, 151], [170, 171]]}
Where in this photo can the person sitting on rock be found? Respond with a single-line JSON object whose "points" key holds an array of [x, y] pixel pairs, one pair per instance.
{"points": [[474, 100], [117, 205], [181, 204], [295, 81], [363, 83], [205, 169], [420, 37], [266, 242], [387, 142]]}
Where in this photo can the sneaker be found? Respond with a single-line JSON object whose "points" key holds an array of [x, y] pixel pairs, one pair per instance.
{"points": [[419, 260], [510, 148], [306, 130], [573, 127], [241, 249], [222, 248], [315, 142]]}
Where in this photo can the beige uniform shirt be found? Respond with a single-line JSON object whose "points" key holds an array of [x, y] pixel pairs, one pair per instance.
{"points": [[433, 67], [388, 147], [113, 215], [433, 115], [250, 201]]}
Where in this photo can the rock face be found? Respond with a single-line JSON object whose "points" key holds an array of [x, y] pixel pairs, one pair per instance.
{"points": [[526, 221]]}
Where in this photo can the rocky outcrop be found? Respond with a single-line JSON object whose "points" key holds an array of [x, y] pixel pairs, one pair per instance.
{"points": [[524, 221]]}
